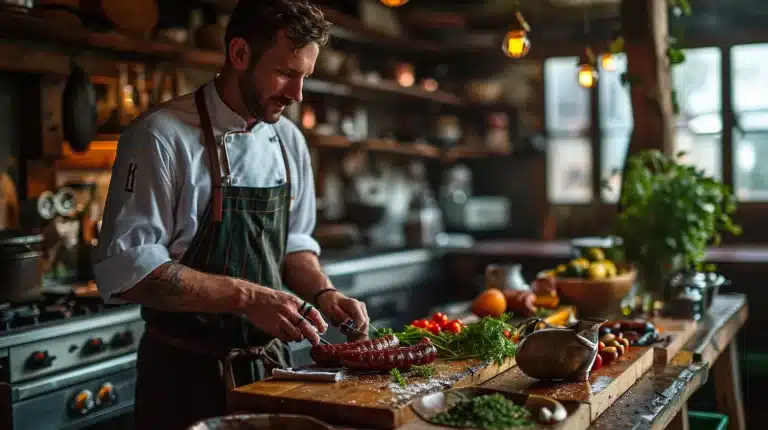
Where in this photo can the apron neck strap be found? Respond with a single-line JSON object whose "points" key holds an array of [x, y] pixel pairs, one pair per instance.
{"points": [[213, 154]]}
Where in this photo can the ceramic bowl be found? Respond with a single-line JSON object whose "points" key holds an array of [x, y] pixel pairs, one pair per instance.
{"points": [[427, 406], [261, 422]]}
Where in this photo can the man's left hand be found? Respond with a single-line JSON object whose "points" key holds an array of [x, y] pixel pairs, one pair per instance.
{"points": [[340, 308]]}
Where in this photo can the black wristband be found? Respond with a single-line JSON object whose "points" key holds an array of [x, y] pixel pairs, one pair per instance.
{"points": [[321, 292]]}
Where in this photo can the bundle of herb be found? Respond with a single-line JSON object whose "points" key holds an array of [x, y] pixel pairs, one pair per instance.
{"points": [[398, 377], [488, 339], [492, 411]]}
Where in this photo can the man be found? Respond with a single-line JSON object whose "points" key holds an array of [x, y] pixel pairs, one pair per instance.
{"points": [[206, 251]]}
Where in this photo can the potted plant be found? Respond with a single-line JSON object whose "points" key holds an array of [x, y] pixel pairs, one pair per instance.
{"points": [[670, 213]]}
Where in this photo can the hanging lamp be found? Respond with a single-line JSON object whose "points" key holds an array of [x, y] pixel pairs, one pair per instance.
{"points": [[587, 74], [394, 3], [516, 43]]}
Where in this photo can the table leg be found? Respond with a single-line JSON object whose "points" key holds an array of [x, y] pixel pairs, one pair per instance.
{"points": [[728, 387], [680, 421]]}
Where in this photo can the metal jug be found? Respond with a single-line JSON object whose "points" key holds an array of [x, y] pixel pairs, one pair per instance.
{"points": [[554, 353]]}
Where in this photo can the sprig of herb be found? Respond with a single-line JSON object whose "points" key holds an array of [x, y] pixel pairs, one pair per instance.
{"points": [[398, 377], [485, 340], [425, 371]]}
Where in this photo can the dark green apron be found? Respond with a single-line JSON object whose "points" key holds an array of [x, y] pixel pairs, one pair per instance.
{"points": [[243, 234]]}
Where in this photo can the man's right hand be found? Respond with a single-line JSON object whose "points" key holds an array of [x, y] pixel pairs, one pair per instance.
{"points": [[277, 313]]}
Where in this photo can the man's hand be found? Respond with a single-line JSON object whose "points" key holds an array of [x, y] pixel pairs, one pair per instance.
{"points": [[340, 308], [277, 313]]}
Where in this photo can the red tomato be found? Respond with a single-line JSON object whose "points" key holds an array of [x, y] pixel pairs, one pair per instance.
{"points": [[440, 318], [453, 327], [434, 329], [598, 362], [507, 334], [420, 323]]}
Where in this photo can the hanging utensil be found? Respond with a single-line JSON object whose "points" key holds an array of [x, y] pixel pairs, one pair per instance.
{"points": [[79, 115]]}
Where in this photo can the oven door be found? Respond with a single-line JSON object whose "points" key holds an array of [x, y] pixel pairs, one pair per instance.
{"points": [[81, 398]]}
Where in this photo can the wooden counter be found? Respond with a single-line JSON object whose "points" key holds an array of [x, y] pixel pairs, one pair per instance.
{"points": [[658, 399], [561, 249]]}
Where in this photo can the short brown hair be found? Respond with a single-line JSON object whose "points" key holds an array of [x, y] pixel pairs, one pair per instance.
{"points": [[258, 21]]}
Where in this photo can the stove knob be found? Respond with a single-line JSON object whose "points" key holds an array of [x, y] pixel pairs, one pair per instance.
{"points": [[83, 403], [94, 346], [121, 339], [39, 360], [107, 395]]}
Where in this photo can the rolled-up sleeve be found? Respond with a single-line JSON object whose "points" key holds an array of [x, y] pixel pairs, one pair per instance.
{"points": [[138, 215], [303, 214]]}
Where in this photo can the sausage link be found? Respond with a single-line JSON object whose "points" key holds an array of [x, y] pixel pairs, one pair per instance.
{"points": [[328, 355], [402, 357]]}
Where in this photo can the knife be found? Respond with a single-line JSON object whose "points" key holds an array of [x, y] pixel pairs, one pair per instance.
{"points": [[347, 327]]}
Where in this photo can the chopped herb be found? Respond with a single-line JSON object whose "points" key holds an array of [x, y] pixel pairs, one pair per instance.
{"points": [[425, 371], [492, 411], [397, 377]]}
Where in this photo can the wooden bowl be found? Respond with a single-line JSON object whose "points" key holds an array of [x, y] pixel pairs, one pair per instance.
{"points": [[596, 298]]}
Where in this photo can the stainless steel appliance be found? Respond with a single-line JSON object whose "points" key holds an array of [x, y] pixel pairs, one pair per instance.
{"points": [[66, 362]]}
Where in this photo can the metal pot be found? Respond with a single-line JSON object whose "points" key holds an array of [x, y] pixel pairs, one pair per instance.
{"points": [[21, 265], [261, 422]]}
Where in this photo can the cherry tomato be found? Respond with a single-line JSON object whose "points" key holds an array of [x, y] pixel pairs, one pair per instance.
{"points": [[434, 329], [507, 334], [598, 362], [453, 327], [420, 323], [440, 318]]}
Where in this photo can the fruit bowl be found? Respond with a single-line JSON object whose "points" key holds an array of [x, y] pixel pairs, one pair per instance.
{"points": [[594, 297]]}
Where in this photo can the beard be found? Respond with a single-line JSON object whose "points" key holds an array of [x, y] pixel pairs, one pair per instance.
{"points": [[253, 98]]}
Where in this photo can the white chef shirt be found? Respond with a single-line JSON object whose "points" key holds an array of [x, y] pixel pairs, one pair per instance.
{"points": [[161, 185]]}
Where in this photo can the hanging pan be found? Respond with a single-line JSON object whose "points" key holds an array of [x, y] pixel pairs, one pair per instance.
{"points": [[79, 115]]}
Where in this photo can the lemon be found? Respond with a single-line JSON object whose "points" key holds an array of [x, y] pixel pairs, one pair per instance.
{"points": [[560, 269], [580, 262], [597, 271], [595, 254], [610, 268]]}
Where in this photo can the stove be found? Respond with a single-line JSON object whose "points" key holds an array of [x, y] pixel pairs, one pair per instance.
{"points": [[66, 362]]}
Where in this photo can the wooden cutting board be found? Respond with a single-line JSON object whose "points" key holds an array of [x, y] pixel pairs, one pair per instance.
{"points": [[363, 401], [602, 389], [677, 333]]}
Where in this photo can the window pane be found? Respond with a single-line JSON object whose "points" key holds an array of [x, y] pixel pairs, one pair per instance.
{"points": [[697, 83], [750, 77], [567, 103], [615, 105], [569, 170], [614, 149], [750, 99], [751, 176]]}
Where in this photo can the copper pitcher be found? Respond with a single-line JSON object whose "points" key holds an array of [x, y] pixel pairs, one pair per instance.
{"points": [[554, 353]]}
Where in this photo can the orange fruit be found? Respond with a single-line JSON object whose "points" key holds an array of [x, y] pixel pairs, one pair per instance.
{"points": [[490, 302]]}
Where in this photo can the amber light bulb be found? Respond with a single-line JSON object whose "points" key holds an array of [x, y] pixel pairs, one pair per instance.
{"points": [[608, 62], [516, 44], [587, 75], [393, 3]]}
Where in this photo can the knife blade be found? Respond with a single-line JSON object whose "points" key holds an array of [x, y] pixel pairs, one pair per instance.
{"points": [[347, 327]]}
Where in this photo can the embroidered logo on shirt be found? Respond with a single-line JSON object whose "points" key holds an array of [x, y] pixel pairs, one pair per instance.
{"points": [[130, 180]]}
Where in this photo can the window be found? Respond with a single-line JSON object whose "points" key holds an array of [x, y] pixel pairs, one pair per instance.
{"points": [[569, 153], [750, 137], [697, 83]]}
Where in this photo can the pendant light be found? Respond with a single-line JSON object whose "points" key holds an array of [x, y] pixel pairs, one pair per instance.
{"points": [[608, 62], [394, 3], [587, 75], [516, 43]]}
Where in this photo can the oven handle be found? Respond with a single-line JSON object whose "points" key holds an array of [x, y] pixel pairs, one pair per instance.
{"points": [[97, 370]]}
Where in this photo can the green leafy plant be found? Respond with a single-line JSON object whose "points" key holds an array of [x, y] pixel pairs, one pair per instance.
{"points": [[671, 213]]}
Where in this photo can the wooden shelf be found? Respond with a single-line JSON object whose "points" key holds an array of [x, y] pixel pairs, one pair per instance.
{"points": [[459, 153], [394, 147], [350, 28], [322, 141]]}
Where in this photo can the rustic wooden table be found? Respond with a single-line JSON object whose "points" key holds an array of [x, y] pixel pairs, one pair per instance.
{"points": [[658, 400]]}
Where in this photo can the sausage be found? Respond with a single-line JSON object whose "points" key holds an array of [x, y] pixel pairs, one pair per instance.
{"points": [[402, 357], [328, 355]]}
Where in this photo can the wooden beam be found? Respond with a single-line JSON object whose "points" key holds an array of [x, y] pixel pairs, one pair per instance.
{"points": [[645, 27]]}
